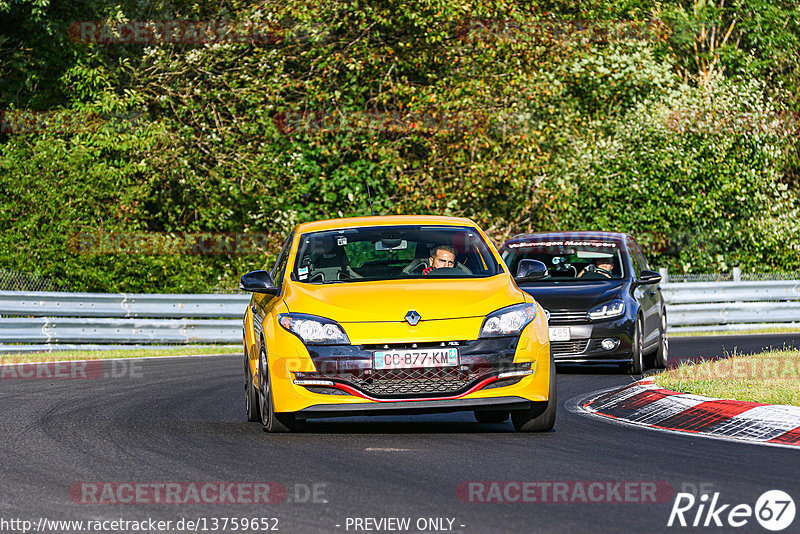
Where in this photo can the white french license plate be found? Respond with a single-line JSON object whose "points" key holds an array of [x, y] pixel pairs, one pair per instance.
{"points": [[559, 333], [414, 358]]}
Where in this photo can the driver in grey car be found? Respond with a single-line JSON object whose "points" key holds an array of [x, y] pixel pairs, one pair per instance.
{"points": [[601, 266]]}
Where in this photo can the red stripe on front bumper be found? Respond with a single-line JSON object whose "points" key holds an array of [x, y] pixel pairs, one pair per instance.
{"points": [[355, 392]]}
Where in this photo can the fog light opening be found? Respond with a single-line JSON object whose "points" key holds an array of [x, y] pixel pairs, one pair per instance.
{"points": [[514, 373], [313, 382], [609, 343]]}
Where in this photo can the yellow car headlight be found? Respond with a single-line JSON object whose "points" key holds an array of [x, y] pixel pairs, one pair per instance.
{"points": [[313, 330], [508, 321]]}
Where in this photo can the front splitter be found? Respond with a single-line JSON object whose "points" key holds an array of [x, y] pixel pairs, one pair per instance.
{"points": [[412, 407]]}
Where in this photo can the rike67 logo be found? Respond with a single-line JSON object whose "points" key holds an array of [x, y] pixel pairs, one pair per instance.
{"points": [[774, 510]]}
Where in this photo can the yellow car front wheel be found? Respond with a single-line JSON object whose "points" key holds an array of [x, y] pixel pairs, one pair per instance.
{"points": [[541, 417], [272, 421], [250, 393]]}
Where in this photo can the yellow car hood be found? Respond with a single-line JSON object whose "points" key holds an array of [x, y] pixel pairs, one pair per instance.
{"points": [[391, 300]]}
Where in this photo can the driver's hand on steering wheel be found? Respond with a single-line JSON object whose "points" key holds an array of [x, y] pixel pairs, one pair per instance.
{"points": [[594, 269]]}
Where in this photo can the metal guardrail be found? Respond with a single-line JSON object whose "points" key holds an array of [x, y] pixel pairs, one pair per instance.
{"points": [[695, 293], [44, 320], [712, 306], [96, 330], [51, 320], [51, 304]]}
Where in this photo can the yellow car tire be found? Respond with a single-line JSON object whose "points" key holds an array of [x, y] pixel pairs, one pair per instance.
{"points": [[272, 421], [250, 394], [541, 417]]}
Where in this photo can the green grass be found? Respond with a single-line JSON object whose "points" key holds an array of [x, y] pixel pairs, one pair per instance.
{"points": [[775, 330], [67, 355], [770, 377]]}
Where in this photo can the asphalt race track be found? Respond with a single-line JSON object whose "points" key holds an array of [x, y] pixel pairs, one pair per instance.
{"points": [[182, 420]]}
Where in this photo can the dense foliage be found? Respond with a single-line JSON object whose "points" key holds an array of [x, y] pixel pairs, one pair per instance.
{"points": [[674, 123]]}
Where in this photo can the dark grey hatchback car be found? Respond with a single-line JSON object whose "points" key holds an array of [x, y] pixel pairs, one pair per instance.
{"points": [[604, 304]]}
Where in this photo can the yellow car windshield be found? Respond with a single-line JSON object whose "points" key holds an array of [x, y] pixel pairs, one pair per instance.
{"points": [[393, 252]]}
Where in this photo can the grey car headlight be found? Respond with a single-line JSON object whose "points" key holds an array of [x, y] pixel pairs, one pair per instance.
{"points": [[608, 310]]}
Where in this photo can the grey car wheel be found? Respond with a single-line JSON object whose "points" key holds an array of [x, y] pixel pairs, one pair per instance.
{"points": [[637, 364], [662, 354]]}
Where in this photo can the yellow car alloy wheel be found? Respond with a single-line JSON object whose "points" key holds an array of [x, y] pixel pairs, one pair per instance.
{"points": [[273, 422], [251, 398]]}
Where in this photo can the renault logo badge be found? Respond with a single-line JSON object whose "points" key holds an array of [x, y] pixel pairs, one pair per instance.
{"points": [[413, 317]]}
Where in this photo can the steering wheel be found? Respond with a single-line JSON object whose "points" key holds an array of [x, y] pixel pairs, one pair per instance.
{"points": [[595, 272], [415, 265], [592, 268], [449, 271]]}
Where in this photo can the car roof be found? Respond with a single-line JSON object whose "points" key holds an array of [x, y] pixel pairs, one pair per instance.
{"points": [[584, 234], [382, 220]]}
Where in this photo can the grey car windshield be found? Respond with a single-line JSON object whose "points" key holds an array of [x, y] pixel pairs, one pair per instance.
{"points": [[392, 252], [579, 260]]}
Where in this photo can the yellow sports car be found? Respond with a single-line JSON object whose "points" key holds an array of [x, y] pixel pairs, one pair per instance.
{"points": [[395, 315]]}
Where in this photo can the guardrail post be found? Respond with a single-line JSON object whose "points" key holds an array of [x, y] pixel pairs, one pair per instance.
{"points": [[737, 274], [663, 272]]}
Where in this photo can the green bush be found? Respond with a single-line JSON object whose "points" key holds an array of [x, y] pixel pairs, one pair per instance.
{"points": [[697, 174], [520, 118]]}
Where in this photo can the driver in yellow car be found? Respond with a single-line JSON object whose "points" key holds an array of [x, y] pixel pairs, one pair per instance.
{"points": [[441, 256]]}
